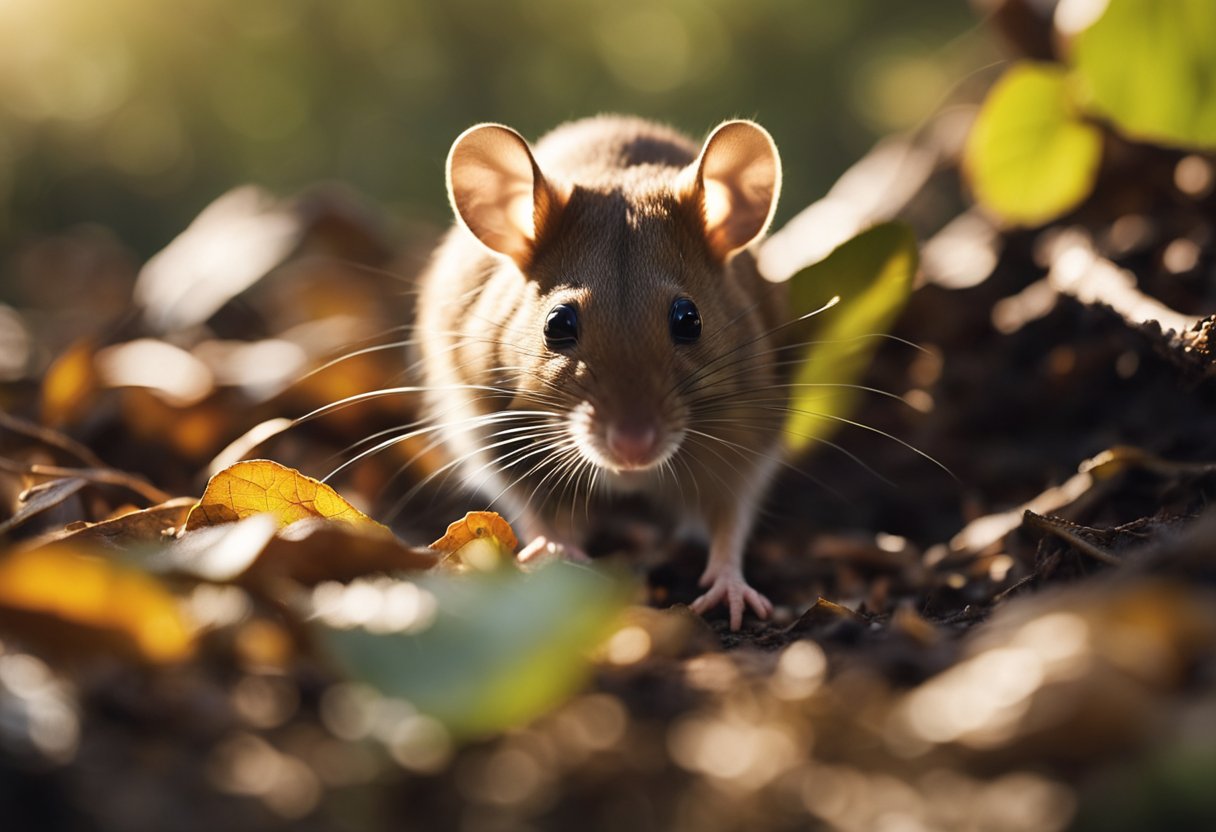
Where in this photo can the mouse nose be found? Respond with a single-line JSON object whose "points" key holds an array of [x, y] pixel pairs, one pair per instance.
{"points": [[633, 444]]}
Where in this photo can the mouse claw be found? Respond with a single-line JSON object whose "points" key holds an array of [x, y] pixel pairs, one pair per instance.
{"points": [[728, 585], [543, 549]]}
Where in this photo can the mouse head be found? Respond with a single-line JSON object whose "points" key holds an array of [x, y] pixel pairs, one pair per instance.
{"points": [[636, 321]]}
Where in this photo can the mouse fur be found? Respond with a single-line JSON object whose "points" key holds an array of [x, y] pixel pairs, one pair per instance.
{"points": [[614, 219]]}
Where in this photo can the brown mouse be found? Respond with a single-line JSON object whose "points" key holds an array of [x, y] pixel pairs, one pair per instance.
{"points": [[595, 324]]}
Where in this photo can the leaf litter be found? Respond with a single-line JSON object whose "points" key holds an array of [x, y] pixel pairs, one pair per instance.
{"points": [[1027, 646]]}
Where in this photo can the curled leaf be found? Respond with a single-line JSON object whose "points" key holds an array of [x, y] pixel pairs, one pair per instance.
{"points": [[40, 499], [259, 486], [480, 539]]}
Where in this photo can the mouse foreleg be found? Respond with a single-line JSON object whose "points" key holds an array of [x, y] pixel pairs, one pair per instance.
{"points": [[729, 528]]}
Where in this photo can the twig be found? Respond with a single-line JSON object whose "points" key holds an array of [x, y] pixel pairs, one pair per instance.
{"points": [[51, 437], [1063, 530], [102, 476]]}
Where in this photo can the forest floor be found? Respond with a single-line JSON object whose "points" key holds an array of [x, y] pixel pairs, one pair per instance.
{"points": [[1027, 641]]}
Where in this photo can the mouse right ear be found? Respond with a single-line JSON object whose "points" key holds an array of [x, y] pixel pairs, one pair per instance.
{"points": [[498, 191], [734, 184]]}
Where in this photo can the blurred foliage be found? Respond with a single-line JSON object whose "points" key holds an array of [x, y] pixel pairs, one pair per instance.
{"points": [[1150, 68], [1030, 156], [1145, 66], [872, 276], [134, 114], [501, 650]]}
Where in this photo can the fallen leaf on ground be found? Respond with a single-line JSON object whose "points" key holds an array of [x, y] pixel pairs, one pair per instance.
{"points": [[135, 528], [38, 500], [259, 486], [308, 551], [480, 539], [65, 599]]}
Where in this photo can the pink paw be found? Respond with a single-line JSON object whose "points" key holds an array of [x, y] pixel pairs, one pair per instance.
{"points": [[543, 548], [726, 583]]}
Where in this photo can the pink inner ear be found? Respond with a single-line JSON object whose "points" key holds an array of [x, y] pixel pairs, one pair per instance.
{"points": [[493, 184], [716, 202], [738, 177]]}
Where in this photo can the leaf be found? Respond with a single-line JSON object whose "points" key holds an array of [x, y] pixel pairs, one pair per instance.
{"points": [[1149, 66], [872, 274], [1029, 157], [313, 550], [231, 245], [504, 648], [70, 385], [308, 552], [259, 486], [41, 498], [63, 598], [480, 539], [169, 372], [135, 528], [219, 553]]}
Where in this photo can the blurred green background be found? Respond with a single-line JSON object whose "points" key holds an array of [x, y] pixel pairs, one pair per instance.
{"points": [[134, 114]]}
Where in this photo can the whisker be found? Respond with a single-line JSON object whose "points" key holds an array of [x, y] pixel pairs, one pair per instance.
{"points": [[829, 443], [491, 419], [871, 429]]}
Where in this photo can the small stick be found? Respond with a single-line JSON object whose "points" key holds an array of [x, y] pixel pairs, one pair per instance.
{"points": [[1061, 530]]}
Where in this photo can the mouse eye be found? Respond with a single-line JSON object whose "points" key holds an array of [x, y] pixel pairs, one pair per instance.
{"points": [[561, 327], [685, 321]]}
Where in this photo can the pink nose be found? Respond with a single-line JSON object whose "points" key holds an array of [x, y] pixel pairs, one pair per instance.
{"points": [[633, 444]]}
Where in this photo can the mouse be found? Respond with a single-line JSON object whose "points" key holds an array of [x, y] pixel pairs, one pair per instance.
{"points": [[594, 325]]}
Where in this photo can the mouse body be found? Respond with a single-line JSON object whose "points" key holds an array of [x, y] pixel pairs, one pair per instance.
{"points": [[595, 324]]}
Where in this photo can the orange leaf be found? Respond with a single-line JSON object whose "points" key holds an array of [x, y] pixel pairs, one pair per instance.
{"points": [[481, 539], [98, 601], [69, 385], [259, 486]]}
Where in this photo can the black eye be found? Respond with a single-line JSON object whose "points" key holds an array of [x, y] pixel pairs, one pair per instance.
{"points": [[561, 327], [685, 321]]}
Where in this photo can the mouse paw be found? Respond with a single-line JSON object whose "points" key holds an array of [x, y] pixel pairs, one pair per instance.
{"points": [[543, 548], [726, 584]]}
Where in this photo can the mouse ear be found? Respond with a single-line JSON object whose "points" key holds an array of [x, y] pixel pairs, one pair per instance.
{"points": [[735, 183], [498, 191]]}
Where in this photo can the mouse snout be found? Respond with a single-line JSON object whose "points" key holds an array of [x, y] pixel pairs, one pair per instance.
{"points": [[633, 443], [625, 437]]}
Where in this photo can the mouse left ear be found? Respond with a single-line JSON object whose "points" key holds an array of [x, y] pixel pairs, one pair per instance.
{"points": [[498, 190], [735, 183]]}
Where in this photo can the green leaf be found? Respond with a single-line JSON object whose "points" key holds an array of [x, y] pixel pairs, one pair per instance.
{"points": [[1029, 157], [504, 648], [872, 274], [1150, 67]]}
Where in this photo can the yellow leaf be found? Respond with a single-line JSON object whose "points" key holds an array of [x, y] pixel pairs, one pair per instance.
{"points": [[1031, 156], [259, 486], [872, 274], [98, 600], [481, 539], [69, 385]]}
